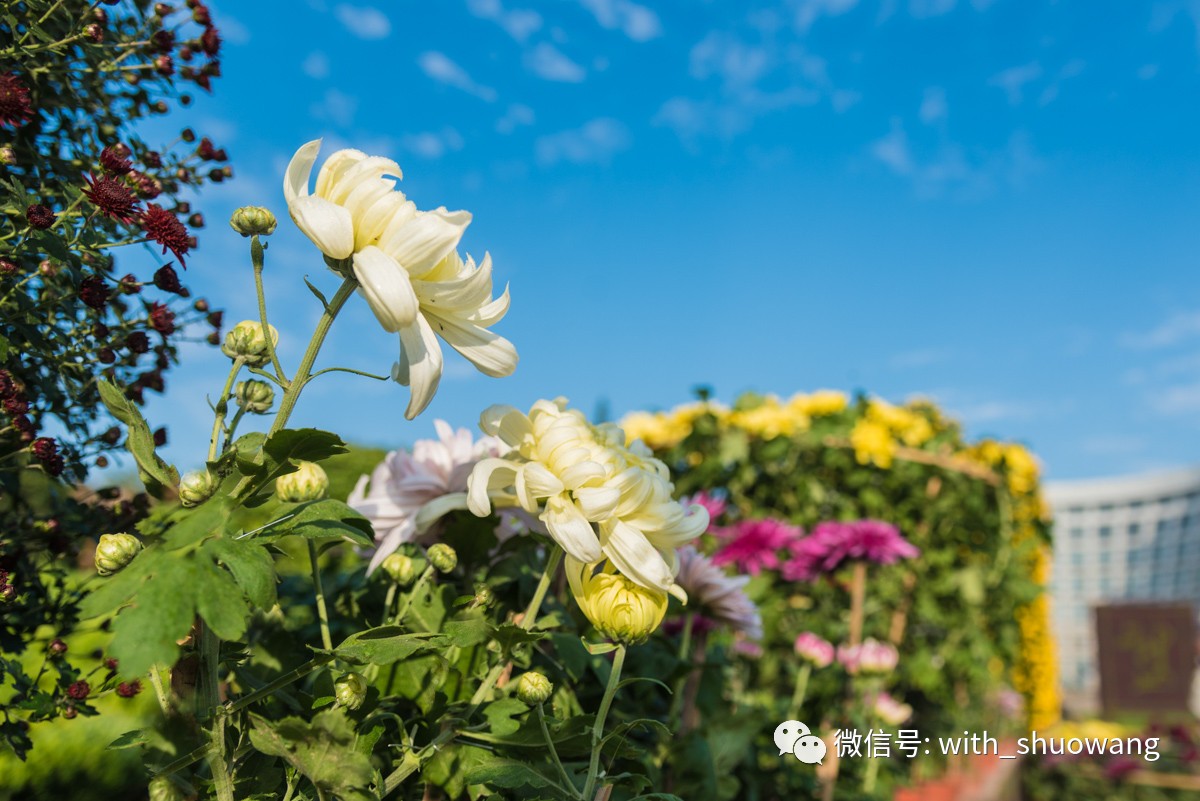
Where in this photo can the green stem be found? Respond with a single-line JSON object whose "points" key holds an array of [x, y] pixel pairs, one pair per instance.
{"points": [[322, 612], [233, 424], [567, 781], [800, 691], [222, 781], [222, 407], [685, 644], [256, 257], [210, 666], [614, 679], [417, 589]]}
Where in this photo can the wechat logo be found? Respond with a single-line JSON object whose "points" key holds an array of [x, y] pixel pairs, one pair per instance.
{"points": [[793, 737]]}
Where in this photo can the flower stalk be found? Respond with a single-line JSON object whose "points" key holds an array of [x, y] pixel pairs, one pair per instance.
{"points": [[614, 679]]}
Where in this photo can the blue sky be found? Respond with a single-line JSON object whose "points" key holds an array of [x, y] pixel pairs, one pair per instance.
{"points": [[992, 203]]}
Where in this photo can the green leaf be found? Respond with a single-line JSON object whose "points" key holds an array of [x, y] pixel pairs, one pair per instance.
{"points": [[508, 774], [383, 645], [500, 715], [145, 634], [115, 590], [510, 635], [320, 520], [468, 632], [282, 450], [246, 449], [206, 520], [322, 751], [252, 568], [155, 473], [220, 601]]}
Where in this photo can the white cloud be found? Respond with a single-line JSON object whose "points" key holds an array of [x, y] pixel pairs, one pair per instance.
{"points": [[1147, 71], [516, 116], [690, 119], [637, 22], [316, 65], [442, 69], [232, 29], [724, 55], [337, 107], [1013, 80], [519, 23], [893, 150], [1177, 400], [363, 21], [1112, 445], [1175, 329], [933, 105], [596, 142], [1071, 69], [548, 63], [809, 11], [433, 144], [844, 99], [945, 166]]}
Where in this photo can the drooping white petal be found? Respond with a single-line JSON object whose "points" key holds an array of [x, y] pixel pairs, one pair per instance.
{"points": [[597, 503], [492, 354], [488, 474], [423, 358], [425, 240], [571, 530], [295, 179], [635, 557], [328, 225], [386, 286]]}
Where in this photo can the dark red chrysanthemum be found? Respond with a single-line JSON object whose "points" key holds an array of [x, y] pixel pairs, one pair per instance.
{"points": [[200, 14], [44, 448], [94, 292], [163, 40], [8, 267], [152, 159], [7, 387], [137, 342], [79, 690], [112, 197], [162, 319], [160, 437], [40, 217], [167, 279], [152, 380], [16, 405], [15, 109], [128, 689], [210, 41], [206, 149], [165, 228], [115, 159], [147, 185]]}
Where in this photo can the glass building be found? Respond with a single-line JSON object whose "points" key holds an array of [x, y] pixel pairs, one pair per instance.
{"points": [[1116, 539]]}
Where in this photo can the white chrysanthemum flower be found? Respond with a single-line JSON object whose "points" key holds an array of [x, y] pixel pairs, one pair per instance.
{"points": [[409, 492], [406, 264], [716, 595], [598, 498]]}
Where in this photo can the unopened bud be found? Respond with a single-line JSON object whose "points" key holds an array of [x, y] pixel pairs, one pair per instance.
{"points": [[307, 483], [400, 569], [252, 220], [163, 789], [350, 690], [248, 341], [8, 155], [197, 487], [442, 557], [483, 596], [254, 396], [115, 551], [533, 688]]}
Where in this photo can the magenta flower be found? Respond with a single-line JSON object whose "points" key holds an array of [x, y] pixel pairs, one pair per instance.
{"points": [[834, 543], [754, 545], [814, 649]]}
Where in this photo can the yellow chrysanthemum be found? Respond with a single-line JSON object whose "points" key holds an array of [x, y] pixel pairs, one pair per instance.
{"points": [[872, 443], [768, 420], [620, 609], [909, 427], [821, 403]]}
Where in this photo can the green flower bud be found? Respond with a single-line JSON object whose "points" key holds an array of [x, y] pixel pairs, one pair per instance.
{"points": [[163, 789], [114, 551], [533, 688], [254, 396], [483, 596], [350, 690], [442, 557], [248, 341], [252, 220], [197, 487], [308, 483], [400, 568]]}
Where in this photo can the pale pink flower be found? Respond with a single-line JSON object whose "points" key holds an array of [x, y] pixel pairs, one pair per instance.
{"points": [[870, 657], [814, 649], [715, 505], [891, 711], [409, 492], [717, 596]]}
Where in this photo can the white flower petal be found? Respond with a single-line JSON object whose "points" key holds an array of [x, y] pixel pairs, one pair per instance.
{"points": [[540, 482], [439, 507], [328, 225], [492, 354], [597, 503], [425, 240], [423, 357], [387, 288], [334, 169], [487, 475], [295, 179], [633, 555], [571, 530]]}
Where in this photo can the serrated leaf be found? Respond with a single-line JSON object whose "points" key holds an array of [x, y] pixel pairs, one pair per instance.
{"points": [[113, 591], [383, 645], [206, 520], [219, 600], [252, 568], [508, 774], [321, 520], [322, 750], [156, 474], [468, 632], [162, 612], [500, 715], [282, 450]]}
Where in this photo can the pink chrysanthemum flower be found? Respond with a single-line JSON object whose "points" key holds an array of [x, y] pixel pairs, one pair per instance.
{"points": [[814, 649], [870, 657], [409, 492], [717, 596], [754, 545], [831, 544], [715, 505], [891, 711]]}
